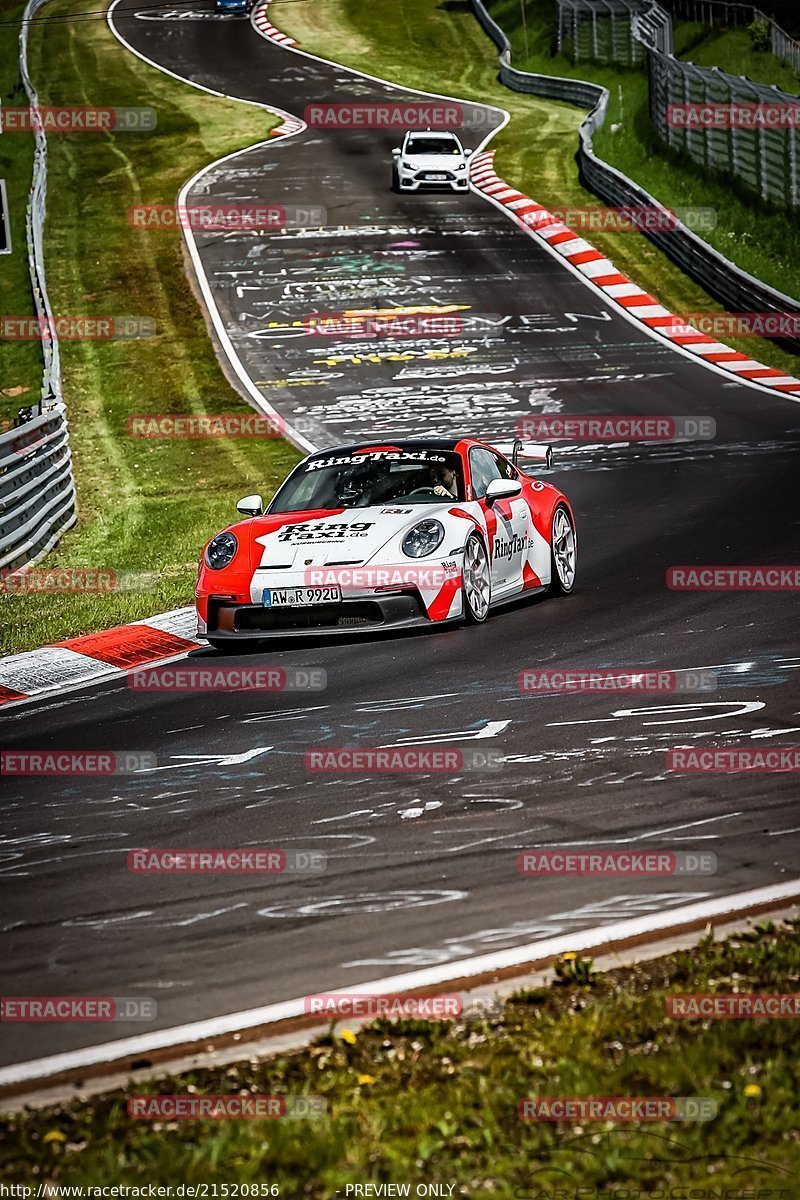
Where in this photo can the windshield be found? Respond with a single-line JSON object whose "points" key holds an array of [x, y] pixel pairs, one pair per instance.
{"points": [[432, 145], [357, 480]]}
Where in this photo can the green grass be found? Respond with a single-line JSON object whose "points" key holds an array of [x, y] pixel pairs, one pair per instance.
{"points": [[20, 362], [143, 504], [436, 1102], [438, 45]]}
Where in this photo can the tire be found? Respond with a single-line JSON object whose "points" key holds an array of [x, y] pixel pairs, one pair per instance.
{"points": [[395, 181], [476, 586], [563, 553]]}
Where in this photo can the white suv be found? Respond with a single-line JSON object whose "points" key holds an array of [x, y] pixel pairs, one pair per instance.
{"points": [[430, 159]]}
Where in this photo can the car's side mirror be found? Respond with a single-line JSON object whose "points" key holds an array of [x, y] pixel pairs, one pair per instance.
{"points": [[251, 506], [468, 152], [502, 489], [396, 152]]}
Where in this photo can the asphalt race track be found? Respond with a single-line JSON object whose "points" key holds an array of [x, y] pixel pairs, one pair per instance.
{"points": [[420, 869]]}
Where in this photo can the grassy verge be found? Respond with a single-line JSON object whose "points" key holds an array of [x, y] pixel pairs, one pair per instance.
{"points": [[423, 1101], [145, 505], [20, 362], [440, 46]]}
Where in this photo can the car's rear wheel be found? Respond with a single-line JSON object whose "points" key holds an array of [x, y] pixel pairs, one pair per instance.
{"points": [[563, 553], [476, 580]]}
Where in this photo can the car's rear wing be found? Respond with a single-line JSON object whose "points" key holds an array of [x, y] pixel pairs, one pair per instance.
{"points": [[517, 451]]}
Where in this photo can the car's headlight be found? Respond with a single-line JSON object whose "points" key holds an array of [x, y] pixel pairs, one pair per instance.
{"points": [[461, 167], [423, 538], [220, 551], [406, 166]]}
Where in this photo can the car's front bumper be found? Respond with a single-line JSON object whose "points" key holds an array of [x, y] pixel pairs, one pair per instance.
{"points": [[228, 621], [411, 181]]}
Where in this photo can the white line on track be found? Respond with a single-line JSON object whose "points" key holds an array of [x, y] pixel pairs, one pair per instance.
{"points": [[480, 965]]}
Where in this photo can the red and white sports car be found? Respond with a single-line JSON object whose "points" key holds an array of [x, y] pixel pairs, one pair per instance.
{"points": [[411, 533]]}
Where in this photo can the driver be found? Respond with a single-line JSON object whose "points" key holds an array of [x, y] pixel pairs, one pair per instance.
{"points": [[444, 481], [356, 486]]}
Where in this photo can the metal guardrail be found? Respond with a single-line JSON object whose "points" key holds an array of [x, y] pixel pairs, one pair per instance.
{"points": [[37, 489], [734, 288]]}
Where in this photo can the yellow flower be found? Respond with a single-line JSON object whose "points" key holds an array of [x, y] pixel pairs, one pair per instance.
{"points": [[348, 1036], [752, 1089], [569, 956], [55, 1135], [366, 1079]]}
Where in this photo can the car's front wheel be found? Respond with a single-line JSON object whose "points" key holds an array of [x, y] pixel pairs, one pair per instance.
{"points": [[395, 180], [563, 553], [476, 580]]}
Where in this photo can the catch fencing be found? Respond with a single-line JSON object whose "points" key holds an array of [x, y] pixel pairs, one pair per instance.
{"points": [[734, 288], [605, 31], [37, 489], [718, 13], [763, 159]]}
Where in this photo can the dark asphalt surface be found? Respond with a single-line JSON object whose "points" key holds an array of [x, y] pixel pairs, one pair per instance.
{"points": [[421, 870]]}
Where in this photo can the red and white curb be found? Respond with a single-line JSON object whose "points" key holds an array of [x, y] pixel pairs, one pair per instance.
{"points": [[263, 25], [600, 271], [97, 656]]}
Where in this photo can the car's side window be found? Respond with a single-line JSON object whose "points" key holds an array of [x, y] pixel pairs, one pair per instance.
{"points": [[507, 471], [484, 468]]}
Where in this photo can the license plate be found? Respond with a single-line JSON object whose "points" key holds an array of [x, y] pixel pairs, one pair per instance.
{"points": [[436, 177], [301, 596]]}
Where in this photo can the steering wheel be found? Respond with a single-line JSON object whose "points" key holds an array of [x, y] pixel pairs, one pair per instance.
{"points": [[422, 491]]}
